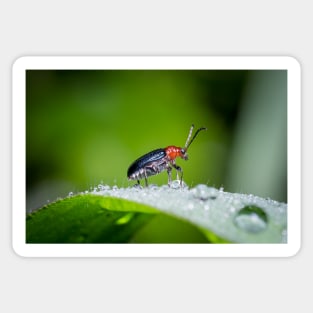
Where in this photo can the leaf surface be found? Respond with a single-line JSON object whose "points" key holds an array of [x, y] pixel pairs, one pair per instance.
{"points": [[121, 215]]}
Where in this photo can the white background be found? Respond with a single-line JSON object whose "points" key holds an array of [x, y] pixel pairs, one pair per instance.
{"points": [[155, 28]]}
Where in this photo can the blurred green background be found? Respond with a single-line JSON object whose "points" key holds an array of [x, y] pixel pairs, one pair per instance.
{"points": [[86, 127]]}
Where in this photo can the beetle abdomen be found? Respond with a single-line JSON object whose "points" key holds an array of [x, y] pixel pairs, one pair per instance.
{"points": [[145, 165]]}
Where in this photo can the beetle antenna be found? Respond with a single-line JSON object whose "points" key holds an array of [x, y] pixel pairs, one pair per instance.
{"points": [[187, 145], [189, 135]]}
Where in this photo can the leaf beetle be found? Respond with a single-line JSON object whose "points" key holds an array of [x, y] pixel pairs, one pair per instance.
{"points": [[160, 160]]}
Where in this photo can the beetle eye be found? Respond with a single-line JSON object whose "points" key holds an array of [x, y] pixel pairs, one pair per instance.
{"points": [[184, 154]]}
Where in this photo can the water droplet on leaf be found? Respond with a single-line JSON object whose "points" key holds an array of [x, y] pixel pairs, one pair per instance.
{"points": [[204, 192], [251, 219], [175, 184], [103, 187], [153, 187]]}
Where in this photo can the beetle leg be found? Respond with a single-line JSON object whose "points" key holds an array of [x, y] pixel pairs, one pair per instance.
{"points": [[178, 170], [146, 180], [169, 172]]}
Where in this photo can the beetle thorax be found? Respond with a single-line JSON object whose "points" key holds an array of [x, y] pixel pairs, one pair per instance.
{"points": [[173, 152]]}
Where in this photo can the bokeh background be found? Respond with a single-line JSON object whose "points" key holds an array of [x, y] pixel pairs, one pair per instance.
{"points": [[85, 128]]}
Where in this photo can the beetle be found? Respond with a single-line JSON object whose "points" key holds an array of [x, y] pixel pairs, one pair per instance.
{"points": [[160, 160]]}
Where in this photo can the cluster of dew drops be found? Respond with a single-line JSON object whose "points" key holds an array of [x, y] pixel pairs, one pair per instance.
{"points": [[251, 221]]}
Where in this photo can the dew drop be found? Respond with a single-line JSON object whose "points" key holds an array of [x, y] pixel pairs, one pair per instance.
{"points": [[175, 184], [190, 206], [153, 187], [251, 219], [206, 207], [204, 192], [103, 187]]}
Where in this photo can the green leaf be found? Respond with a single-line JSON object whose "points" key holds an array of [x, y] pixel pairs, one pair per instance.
{"points": [[86, 219], [159, 214]]}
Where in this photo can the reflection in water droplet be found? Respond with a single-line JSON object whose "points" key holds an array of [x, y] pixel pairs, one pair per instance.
{"points": [[251, 219]]}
